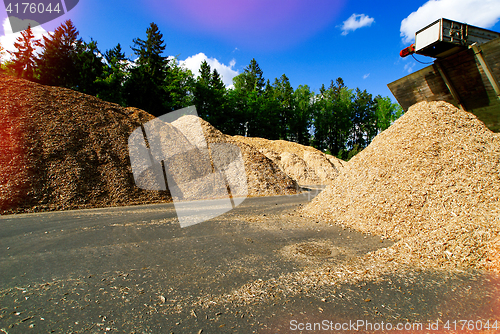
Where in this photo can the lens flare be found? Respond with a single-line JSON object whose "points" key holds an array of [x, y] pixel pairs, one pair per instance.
{"points": [[256, 23]]}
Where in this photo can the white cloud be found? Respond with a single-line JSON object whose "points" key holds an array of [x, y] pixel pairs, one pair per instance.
{"points": [[8, 38], [481, 13], [356, 21], [226, 72], [366, 76], [409, 67]]}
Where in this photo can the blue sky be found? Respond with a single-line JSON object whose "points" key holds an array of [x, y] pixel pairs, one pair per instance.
{"points": [[312, 42]]}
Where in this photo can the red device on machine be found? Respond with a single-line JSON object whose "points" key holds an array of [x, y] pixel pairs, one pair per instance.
{"points": [[407, 51]]}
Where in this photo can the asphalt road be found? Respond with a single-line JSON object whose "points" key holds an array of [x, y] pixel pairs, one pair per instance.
{"points": [[134, 270]]}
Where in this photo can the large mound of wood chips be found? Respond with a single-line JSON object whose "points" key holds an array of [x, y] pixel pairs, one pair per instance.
{"points": [[305, 164], [71, 150], [432, 182]]}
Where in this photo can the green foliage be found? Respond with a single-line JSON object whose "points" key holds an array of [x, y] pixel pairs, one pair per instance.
{"points": [[362, 118], [270, 126], [301, 116], [247, 101], [210, 97], [150, 52], [177, 87], [113, 77], [348, 154], [333, 117], [252, 79], [89, 67], [70, 62], [283, 93], [386, 112], [204, 98]]}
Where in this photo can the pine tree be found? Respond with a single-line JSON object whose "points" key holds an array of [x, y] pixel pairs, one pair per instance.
{"points": [[24, 59], [150, 53], [210, 96], [145, 87], [252, 79], [300, 120], [283, 93], [56, 64], [113, 78], [89, 67], [202, 94]]}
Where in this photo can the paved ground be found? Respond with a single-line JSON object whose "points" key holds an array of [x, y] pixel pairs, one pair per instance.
{"points": [[134, 269]]}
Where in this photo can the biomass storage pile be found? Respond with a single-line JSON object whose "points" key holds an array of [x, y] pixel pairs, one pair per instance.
{"points": [[264, 177], [60, 149], [431, 182], [305, 164]]}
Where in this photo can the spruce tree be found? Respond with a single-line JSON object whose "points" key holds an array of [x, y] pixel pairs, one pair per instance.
{"points": [[24, 59], [218, 107], [56, 64], [283, 93], [303, 108], [255, 77], [270, 126], [111, 83], [252, 79], [89, 67], [145, 87], [150, 52], [202, 91], [210, 96]]}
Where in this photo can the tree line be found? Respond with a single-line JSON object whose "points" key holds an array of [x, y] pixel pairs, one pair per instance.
{"points": [[337, 120]]}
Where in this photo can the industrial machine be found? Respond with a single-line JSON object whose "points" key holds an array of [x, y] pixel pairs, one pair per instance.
{"points": [[444, 37], [465, 72]]}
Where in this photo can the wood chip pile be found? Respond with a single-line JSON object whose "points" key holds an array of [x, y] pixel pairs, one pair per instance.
{"points": [[188, 169], [432, 182], [264, 177], [305, 164], [65, 150]]}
